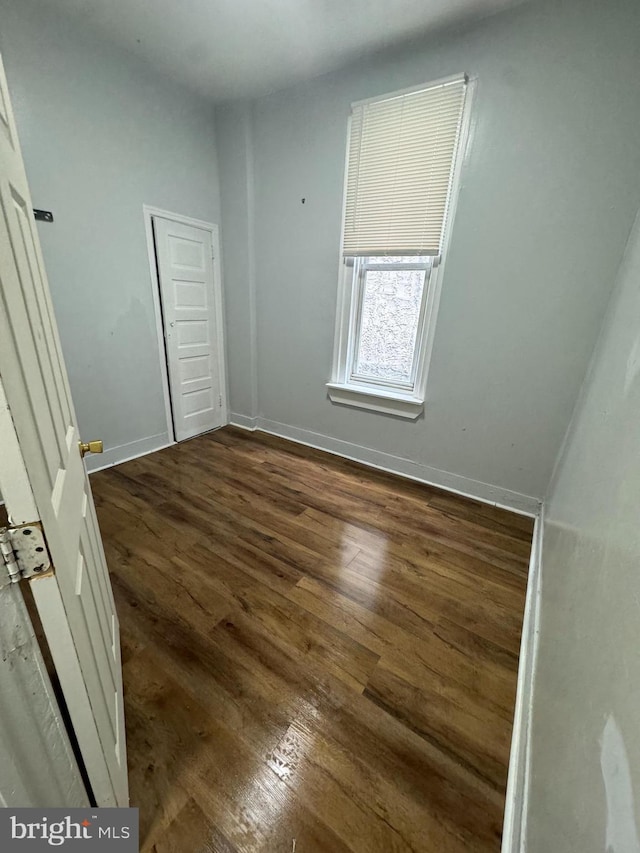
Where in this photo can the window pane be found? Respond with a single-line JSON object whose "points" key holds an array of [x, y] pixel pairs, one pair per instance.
{"points": [[391, 303]]}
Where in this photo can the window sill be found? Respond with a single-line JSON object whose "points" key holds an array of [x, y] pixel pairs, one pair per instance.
{"points": [[377, 400]]}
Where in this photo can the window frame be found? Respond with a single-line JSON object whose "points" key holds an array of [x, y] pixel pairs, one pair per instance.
{"points": [[361, 266], [399, 399]]}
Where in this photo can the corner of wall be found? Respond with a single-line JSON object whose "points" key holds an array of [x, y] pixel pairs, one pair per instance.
{"points": [[235, 152], [251, 249]]}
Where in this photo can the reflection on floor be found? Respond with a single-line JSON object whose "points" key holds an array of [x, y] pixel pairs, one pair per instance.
{"points": [[317, 656]]}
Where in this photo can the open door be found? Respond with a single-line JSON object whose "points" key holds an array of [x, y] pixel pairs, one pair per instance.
{"points": [[192, 319], [45, 486]]}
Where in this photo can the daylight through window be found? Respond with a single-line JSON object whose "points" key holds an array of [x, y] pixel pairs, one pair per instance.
{"points": [[401, 163]]}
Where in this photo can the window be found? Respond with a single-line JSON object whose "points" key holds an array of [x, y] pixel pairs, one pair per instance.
{"points": [[402, 157]]}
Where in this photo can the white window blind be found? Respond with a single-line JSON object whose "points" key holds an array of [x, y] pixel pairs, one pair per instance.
{"points": [[401, 155]]}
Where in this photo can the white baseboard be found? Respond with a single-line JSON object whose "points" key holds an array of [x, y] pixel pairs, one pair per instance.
{"points": [[243, 421], [125, 452], [517, 797], [484, 492]]}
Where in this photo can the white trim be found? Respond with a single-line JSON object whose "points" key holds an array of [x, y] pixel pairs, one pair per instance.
{"points": [[390, 401], [46, 594], [149, 212], [221, 324], [343, 332], [421, 87], [125, 452], [517, 797], [437, 274], [243, 421], [455, 483]]}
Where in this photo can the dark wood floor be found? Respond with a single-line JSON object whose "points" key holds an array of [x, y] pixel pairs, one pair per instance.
{"points": [[317, 656]]}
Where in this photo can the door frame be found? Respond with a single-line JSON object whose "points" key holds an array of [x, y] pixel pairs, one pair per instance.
{"points": [[149, 212]]}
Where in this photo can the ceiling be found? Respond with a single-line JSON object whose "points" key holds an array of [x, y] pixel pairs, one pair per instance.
{"points": [[227, 49]]}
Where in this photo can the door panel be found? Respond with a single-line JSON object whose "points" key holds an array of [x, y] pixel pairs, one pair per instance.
{"points": [[76, 605], [38, 767], [185, 271]]}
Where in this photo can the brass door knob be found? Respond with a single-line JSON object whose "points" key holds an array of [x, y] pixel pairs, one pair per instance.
{"points": [[90, 447]]}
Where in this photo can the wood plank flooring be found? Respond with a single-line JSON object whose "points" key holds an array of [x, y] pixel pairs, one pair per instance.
{"points": [[317, 656]]}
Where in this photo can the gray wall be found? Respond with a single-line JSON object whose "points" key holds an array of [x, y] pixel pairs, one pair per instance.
{"points": [[548, 197], [102, 134], [585, 784]]}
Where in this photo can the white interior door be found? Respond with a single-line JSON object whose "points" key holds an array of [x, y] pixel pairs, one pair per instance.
{"points": [[192, 325], [43, 475]]}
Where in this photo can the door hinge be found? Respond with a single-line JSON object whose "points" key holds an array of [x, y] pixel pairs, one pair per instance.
{"points": [[24, 553]]}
